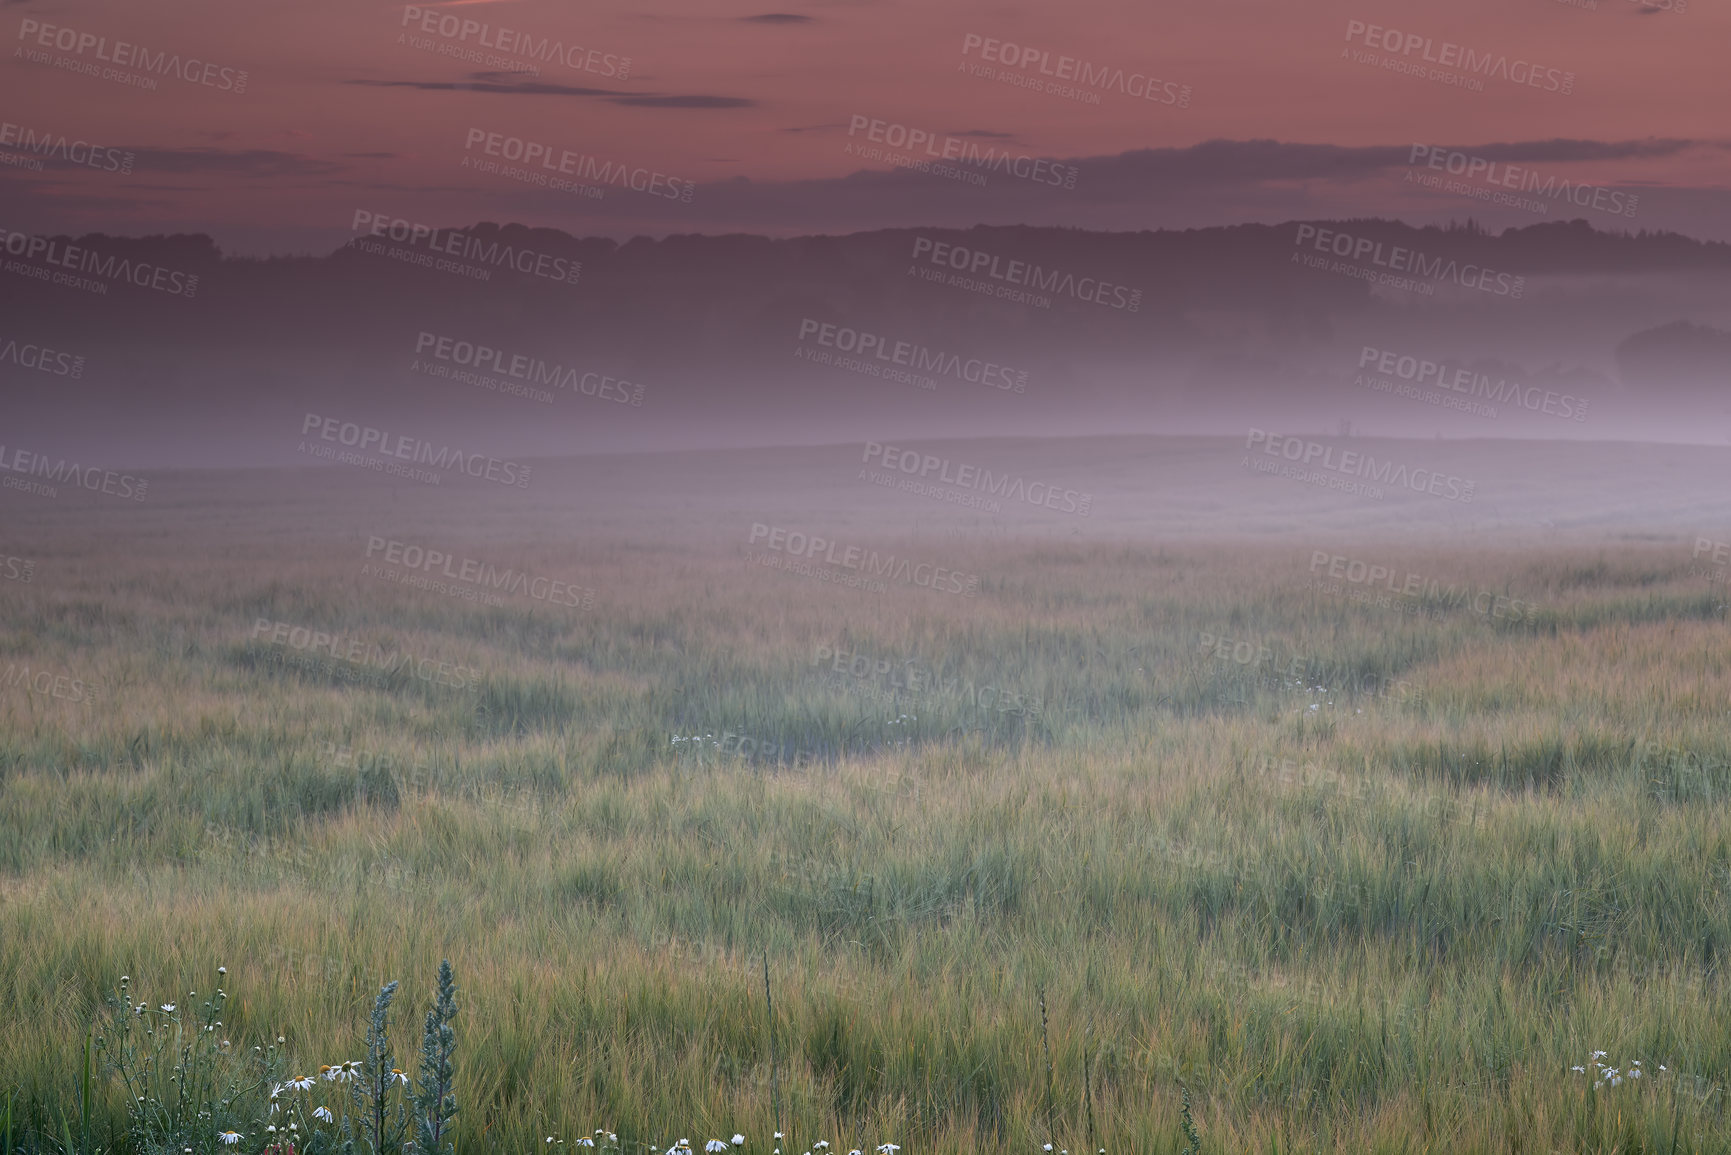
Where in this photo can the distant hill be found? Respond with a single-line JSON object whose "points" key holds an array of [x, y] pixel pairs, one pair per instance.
{"points": [[1251, 323]]}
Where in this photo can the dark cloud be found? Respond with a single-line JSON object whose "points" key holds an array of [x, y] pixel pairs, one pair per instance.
{"points": [[684, 102], [527, 88], [1211, 183], [485, 82], [1272, 160], [255, 162]]}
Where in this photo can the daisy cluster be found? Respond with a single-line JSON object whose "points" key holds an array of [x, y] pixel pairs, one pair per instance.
{"points": [[1605, 1075], [719, 1146]]}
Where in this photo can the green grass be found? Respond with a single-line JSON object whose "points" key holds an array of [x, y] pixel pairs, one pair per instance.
{"points": [[1376, 891]]}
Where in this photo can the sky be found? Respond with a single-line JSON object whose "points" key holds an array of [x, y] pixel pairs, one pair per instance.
{"points": [[781, 118]]}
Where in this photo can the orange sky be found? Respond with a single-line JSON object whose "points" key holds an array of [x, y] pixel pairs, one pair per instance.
{"points": [[342, 112]]}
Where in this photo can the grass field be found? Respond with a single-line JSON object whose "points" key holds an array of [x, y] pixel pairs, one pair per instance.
{"points": [[1360, 879]]}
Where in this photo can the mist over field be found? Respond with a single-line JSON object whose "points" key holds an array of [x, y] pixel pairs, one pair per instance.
{"points": [[864, 577]]}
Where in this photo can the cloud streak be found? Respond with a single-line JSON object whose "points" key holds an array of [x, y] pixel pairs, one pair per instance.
{"points": [[485, 84]]}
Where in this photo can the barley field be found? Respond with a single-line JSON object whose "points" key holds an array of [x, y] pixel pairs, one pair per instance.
{"points": [[716, 849]]}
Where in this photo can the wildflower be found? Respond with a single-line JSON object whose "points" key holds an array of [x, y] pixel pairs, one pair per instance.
{"points": [[168, 1008], [229, 1137], [888, 1148], [585, 1142], [738, 1139], [1579, 1070], [301, 1082], [397, 1076], [1598, 1054], [322, 1114], [221, 970], [714, 1146]]}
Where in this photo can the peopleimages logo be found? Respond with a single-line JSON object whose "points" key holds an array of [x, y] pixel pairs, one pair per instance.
{"points": [[27, 464], [868, 562], [64, 39], [914, 356], [49, 683], [1101, 77], [455, 243], [402, 447], [525, 368], [43, 144], [459, 32], [1364, 466], [546, 165], [41, 358], [354, 659], [427, 562], [1719, 552], [1419, 372], [1449, 55], [914, 464], [1383, 579], [1399, 259], [1498, 175], [976, 263], [59, 254], [952, 148]]}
